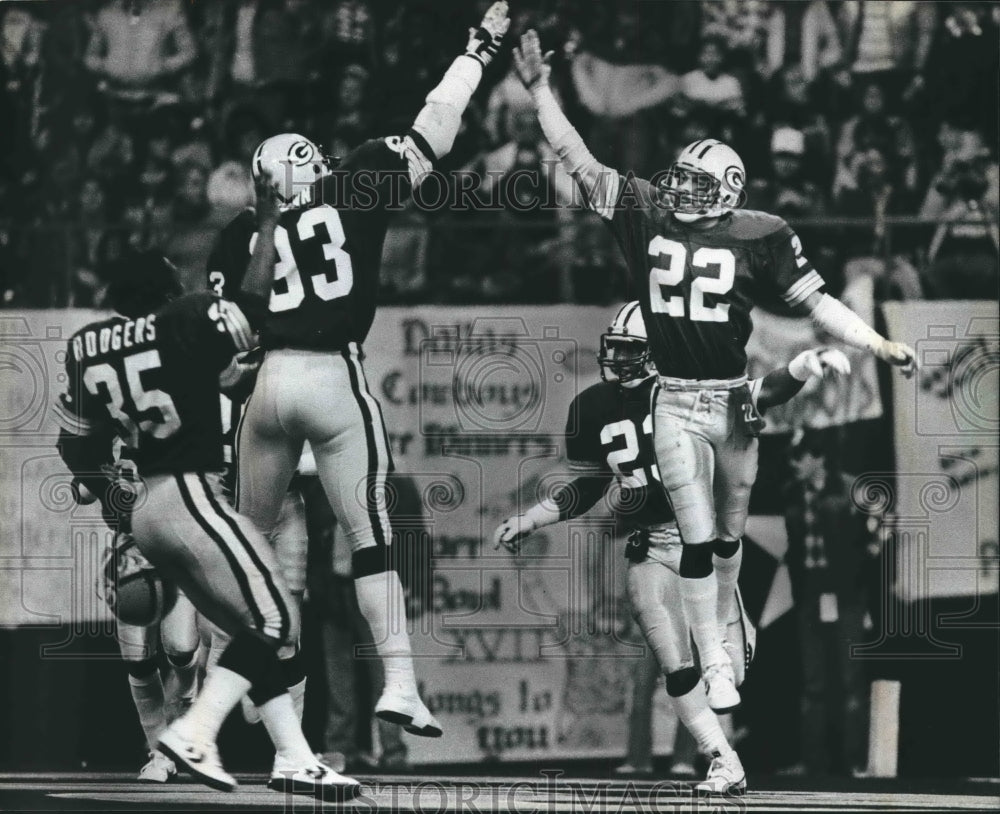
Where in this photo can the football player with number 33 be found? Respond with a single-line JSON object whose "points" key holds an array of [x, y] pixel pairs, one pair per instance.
{"points": [[311, 385], [697, 264]]}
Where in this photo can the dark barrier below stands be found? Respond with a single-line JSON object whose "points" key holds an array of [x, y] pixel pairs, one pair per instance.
{"points": [[75, 712]]}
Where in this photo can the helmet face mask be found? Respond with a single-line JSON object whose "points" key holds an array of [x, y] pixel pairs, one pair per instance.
{"points": [[623, 359], [624, 355]]}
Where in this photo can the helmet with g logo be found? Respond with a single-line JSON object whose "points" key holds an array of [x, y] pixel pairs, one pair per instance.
{"points": [[707, 180], [295, 163]]}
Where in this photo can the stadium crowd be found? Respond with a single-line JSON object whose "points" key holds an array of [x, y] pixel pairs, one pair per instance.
{"points": [[132, 122]]}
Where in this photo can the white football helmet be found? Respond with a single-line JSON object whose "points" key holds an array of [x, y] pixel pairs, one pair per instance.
{"points": [[624, 355], [706, 181], [295, 164]]}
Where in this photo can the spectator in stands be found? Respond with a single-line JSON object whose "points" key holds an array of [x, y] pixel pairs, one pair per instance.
{"points": [[791, 101], [138, 49], [403, 278], [888, 43], [787, 192], [801, 35], [743, 28], [95, 243], [112, 155], [828, 550], [352, 32], [230, 186], [193, 227], [352, 120], [21, 37], [712, 91], [874, 128], [963, 69], [964, 198]]}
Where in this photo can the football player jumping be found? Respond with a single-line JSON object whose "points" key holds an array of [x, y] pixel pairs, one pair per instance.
{"points": [[155, 378], [311, 385], [697, 265], [609, 440]]}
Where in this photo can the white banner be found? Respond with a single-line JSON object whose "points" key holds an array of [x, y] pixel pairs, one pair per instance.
{"points": [[946, 423]]}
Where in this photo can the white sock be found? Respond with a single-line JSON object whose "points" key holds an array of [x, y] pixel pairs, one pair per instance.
{"points": [[701, 597], [703, 724], [298, 695], [147, 695], [380, 598], [185, 678], [222, 691], [727, 571], [285, 730]]}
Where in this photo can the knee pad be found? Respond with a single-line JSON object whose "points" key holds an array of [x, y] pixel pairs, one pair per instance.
{"points": [[370, 560], [141, 669], [726, 548], [682, 682], [696, 560]]}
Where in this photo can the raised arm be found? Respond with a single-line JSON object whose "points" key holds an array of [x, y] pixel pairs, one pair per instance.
{"points": [[439, 120], [599, 183]]}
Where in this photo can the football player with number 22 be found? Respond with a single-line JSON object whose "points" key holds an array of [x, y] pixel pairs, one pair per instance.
{"points": [[697, 264], [311, 385], [609, 443]]}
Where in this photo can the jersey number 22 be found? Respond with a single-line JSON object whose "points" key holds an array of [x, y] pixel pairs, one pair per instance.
{"points": [[672, 276]]}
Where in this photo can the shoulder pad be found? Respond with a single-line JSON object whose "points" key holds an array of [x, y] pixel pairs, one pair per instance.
{"points": [[751, 224]]}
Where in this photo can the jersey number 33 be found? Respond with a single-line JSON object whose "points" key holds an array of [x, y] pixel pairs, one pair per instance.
{"points": [[289, 289]]}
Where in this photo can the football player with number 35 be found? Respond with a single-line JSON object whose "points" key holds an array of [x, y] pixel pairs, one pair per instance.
{"points": [[609, 442], [697, 264], [311, 385], [155, 379]]}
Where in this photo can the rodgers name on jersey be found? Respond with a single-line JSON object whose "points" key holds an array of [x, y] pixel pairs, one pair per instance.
{"points": [[697, 283], [610, 433], [155, 381]]}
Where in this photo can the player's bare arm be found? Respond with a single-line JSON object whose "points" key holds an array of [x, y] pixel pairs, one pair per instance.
{"points": [[599, 183], [842, 323]]}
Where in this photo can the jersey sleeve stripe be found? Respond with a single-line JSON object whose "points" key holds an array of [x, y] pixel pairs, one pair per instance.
{"points": [[584, 467], [421, 144], [238, 326], [803, 287], [70, 421]]}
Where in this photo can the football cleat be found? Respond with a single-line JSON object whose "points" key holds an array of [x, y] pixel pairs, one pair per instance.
{"points": [[312, 777], [725, 776], [159, 769], [201, 759], [409, 712], [720, 685]]}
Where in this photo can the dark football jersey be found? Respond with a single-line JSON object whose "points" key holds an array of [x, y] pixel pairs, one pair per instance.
{"points": [[326, 275], [156, 380], [697, 284], [610, 430]]}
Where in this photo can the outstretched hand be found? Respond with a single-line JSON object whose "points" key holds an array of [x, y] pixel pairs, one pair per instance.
{"points": [[531, 65], [510, 533]]}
